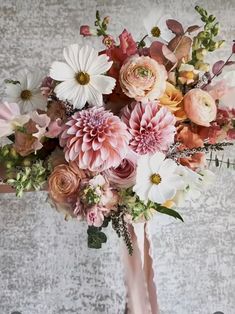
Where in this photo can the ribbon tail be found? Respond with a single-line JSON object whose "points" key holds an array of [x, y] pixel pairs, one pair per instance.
{"points": [[139, 276], [149, 272], [137, 292]]}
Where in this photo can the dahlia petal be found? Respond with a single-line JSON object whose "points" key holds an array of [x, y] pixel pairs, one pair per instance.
{"points": [[96, 145], [61, 71], [71, 55]]}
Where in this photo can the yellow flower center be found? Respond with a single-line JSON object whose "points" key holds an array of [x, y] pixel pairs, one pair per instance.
{"points": [[155, 31], [82, 78], [155, 178], [25, 94]]}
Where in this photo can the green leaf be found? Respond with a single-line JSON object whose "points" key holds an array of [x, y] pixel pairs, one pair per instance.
{"points": [[95, 237], [169, 211]]}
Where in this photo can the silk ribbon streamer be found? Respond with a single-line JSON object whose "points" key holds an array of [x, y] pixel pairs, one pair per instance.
{"points": [[139, 274]]}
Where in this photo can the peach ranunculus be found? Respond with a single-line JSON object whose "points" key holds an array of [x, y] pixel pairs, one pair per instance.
{"points": [[200, 107], [189, 138], [172, 99], [63, 184], [187, 74], [143, 78]]}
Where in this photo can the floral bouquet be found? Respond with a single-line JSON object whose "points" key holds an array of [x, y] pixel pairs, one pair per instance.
{"points": [[120, 134]]}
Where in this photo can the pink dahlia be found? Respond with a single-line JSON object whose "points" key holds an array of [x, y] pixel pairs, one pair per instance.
{"points": [[95, 139], [151, 127]]}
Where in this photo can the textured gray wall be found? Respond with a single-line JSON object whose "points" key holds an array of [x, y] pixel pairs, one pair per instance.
{"points": [[45, 266]]}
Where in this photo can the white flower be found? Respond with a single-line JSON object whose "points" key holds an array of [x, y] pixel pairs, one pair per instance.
{"points": [[156, 178], [27, 92], [81, 76], [156, 21], [10, 118], [194, 183]]}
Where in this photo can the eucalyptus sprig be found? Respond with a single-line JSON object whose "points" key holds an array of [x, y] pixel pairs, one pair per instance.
{"points": [[205, 41]]}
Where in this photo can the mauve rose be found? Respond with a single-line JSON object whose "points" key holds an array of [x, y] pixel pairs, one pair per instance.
{"points": [[200, 107], [63, 184], [143, 78], [124, 175]]}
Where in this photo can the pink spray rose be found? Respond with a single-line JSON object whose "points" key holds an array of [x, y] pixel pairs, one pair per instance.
{"points": [[143, 78], [200, 107], [95, 216]]}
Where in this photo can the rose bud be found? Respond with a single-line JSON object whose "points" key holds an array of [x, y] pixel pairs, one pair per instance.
{"points": [[200, 107], [85, 30]]}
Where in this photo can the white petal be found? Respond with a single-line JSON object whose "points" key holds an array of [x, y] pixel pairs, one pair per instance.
{"points": [[87, 57], [67, 90], [156, 161], [100, 65], [34, 80], [22, 78], [80, 97], [5, 128], [155, 194], [71, 55], [142, 191], [38, 101], [167, 191], [167, 167], [94, 97], [104, 84], [13, 90], [61, 71]]}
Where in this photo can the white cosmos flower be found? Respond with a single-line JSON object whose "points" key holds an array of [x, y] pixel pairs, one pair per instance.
{"points": [[156, 178], [157, 19], [26, 93], [81, 76], [10, 118], [194, 184]]}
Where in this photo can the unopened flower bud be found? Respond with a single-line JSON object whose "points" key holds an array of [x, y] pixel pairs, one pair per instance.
{"points": [[106, 20], [201, 66], [9, 164], [85, 30], [201, 53], [108, 41]]}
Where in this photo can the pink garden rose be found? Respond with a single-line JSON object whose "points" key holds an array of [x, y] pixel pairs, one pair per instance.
{"points": [[143, 78], [124, 175], [200, 107]]}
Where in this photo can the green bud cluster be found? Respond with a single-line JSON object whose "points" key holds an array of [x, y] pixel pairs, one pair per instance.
{"points": [[90, 196], [29, 178], [205, 41], [101, 24]]}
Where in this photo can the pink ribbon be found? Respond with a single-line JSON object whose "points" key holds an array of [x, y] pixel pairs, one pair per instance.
{"points": [[139, 274]]}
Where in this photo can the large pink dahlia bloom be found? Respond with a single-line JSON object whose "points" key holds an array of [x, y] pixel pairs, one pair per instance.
{"points": [[151, 127], [95, 139]]}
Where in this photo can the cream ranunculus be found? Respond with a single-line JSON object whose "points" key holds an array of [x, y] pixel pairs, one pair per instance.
{"points": [[200, 107], [143, 78]]}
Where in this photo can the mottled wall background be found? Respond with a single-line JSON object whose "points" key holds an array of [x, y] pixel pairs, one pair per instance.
{"points": [[45, 266]]}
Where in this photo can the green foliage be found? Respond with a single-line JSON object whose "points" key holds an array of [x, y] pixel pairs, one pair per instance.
{"points": [[95, 237], [29, 178], [141, 210], [101, 25], [205, 41], [121, 227], [220, 162]]}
